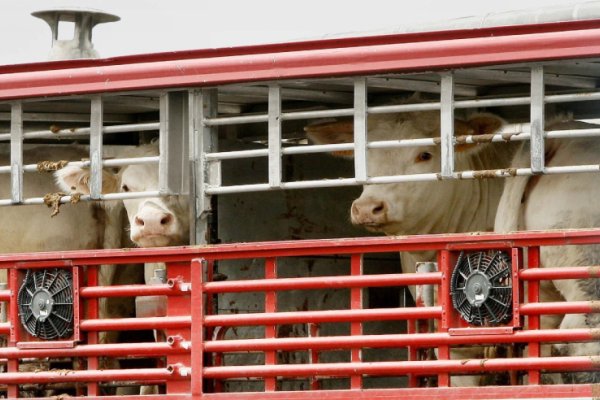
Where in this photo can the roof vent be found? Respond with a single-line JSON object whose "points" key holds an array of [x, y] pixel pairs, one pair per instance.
{"points": [[80, 44]]}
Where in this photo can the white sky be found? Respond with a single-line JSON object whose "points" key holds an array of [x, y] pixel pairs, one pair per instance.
{"points": [[163, 25]]}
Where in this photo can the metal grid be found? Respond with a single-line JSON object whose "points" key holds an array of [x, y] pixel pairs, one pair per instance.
{"points": [[192, 345]]}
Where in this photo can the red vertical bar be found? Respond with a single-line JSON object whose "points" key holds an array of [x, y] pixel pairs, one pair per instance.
{"points": [[445, 301], [178, 306], [12, 364], [198, 268], [270, 330], [91, 312], [356, 302], [533, 321], [412, 353], [313, 331]]}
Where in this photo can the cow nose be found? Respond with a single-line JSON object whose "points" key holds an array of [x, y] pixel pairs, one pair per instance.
{"points": [[369, 211], [154, 221]]}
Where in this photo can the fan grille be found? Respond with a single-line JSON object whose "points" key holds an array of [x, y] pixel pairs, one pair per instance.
{"points": [[45, 303], [481, 287]]}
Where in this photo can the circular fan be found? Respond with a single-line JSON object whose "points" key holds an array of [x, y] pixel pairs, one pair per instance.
{"points": [[46, 303], [481, 287]]}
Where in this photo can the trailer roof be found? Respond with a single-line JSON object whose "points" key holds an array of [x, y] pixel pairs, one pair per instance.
{"points": [[496, 39]]}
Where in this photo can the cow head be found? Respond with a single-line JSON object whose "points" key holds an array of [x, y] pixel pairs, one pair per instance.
{"points": [[411, 207], [154, 222]]}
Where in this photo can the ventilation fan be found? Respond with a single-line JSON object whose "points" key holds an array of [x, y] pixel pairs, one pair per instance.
{"points": [[45, 303], [481, 288]]}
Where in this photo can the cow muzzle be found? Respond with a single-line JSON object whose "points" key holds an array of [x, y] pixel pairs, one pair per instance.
{"points": [[153, 226], [369, 212]]}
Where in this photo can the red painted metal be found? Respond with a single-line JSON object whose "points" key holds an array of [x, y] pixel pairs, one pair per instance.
{"points": [[293, 317], [475, 48], [191, 362]]}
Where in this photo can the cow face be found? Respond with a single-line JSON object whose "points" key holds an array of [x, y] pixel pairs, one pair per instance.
{"points": [[153, 222], [411, 207]]}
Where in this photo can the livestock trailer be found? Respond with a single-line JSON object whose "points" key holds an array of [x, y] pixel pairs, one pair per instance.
{"points": [[277, 296]]}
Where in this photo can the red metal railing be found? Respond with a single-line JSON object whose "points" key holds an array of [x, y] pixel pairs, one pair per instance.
{"points": [[202, 357]]}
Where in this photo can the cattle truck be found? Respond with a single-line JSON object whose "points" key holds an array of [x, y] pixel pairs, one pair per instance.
{"points": [[277, 295]]}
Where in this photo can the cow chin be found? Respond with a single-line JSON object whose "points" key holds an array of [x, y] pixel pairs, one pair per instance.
{"points": [[153, 240]]}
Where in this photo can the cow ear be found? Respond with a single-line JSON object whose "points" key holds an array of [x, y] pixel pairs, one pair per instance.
{"points": [[75, 179], [332, 132], [481, 125]]}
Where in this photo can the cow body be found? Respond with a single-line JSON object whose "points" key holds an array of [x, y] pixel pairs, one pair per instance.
{"points": [[560, 202], [548, 202]]}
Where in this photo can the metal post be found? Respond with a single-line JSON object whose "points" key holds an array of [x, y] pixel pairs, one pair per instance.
{"points": [[360, 130], [274, 136], [447, 124], [16, 152], [204, 173], [174, 142], [96, 124], [537, 120]]}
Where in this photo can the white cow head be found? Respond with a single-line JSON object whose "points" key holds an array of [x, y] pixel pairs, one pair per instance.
{"points": [[412, 207], [154, 222]]}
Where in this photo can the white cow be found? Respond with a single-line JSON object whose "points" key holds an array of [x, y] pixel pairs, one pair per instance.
{"points": [[77, 227], [154, 222], [471, 205]]}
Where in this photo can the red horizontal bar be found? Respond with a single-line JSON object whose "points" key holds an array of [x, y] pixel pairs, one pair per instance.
{"points": [[323, 282], [573, 307], [5, 328], [566, 272], [131, 324], [128, 290], [96, 350], [140, 374], [374, 58], [399, 340], [578, 363], [428, 393], [306, 247], [293, 317], [5, 295]]}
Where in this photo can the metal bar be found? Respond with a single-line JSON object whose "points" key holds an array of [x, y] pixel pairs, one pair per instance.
{"points": [[75, 132], [92, 312], [16, 153], [67, 199], [398, 340], [99, 350], [524, 392], [533, 321], [547, 308], [566, 272], [129, 290], [270, 330], [360, 130], [293, 317], [523, 77], [323, 282], [198, 268], [173, 168], [275, 161], [447, 124], [140, 374], [132, 324], [359, 58], [573, 363], [537, 120], [205, 139], [96, 123], [356, 329]]}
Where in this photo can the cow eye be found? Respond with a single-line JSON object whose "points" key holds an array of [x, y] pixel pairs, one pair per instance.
{"points": [[125, 188], [424, 156]]}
